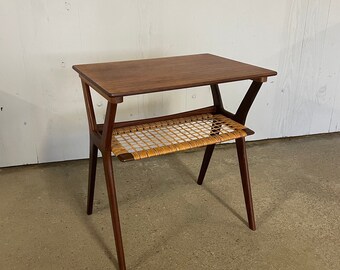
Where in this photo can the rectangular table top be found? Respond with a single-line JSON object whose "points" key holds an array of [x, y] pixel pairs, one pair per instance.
{"points": [[118, 79]]}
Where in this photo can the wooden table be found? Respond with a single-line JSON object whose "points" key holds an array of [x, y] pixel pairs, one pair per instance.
{"points": [[131, 140]]}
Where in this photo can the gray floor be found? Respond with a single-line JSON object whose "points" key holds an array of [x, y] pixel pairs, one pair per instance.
{"points": [[169, 222]]}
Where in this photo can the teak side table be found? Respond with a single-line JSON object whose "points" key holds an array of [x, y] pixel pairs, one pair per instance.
{"points": [[133, 140]]}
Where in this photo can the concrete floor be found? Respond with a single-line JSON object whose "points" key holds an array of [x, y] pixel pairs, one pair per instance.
{"points": [[169, 222]]}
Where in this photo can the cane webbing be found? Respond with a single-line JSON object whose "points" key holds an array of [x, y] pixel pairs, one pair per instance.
{"points": [[163, 137]]}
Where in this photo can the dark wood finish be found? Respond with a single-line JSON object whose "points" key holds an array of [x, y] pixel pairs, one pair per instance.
{"points": [[99, 90], [93, 148], [92, 176], [243, 163], [206, 160], [218, 105], [240, 116], [126, 157], [217, 100], [110, 116], [118, 79], [102, 140], [111, 190], [110, 185], [243, 109], [89, 107]]}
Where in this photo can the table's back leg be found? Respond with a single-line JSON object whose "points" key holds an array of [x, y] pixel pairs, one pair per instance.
{"points": [[247, 101], [243, 163], [93, 147], [92, 176], [240, 116], [215, 91], [206, 160]]}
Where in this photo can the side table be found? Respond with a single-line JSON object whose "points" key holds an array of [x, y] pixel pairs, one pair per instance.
{"points": [[134, 140]]}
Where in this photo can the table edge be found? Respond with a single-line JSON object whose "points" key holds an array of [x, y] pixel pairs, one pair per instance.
{"points": [[161, 89], [266, 73]]}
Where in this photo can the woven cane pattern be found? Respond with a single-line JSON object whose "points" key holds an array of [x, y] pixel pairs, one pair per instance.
{"points": [[163, 137]]}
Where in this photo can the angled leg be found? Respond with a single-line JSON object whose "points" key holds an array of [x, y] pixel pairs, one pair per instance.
{"points": [[93, 146], [92, 176], [111, 190], [243, 109], [110, 184], [206, 160], [243, 163], [215, 91], [102, 140], [240, 116]]}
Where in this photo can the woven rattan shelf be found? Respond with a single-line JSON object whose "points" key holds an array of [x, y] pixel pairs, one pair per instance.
{"points": [[163, 137]]}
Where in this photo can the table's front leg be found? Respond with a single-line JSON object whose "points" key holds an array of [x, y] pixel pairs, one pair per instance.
{"points": [[101, 139], [110, 183], [243, 164]]}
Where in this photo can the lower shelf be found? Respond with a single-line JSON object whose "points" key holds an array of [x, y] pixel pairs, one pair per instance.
{"points": [[164, 137]]}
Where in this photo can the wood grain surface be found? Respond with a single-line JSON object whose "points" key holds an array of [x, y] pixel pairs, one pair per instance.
{"points": [[117, 79]]}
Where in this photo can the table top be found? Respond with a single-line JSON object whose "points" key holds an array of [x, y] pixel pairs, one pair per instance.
{"points": [[118, 79]]}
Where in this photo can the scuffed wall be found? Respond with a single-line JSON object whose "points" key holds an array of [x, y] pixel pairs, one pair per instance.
{"points": [[42, 115]]}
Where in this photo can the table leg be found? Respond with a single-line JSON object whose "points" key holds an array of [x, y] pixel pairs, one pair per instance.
{"points": [[206, 160], [111, 190], [110, 184], [240, 116], [102, 141], [216, 95], [247, 101], [243, 163], [92, 176]]}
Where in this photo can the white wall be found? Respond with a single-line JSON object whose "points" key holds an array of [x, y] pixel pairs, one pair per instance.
{"points": [[42, 116]]}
